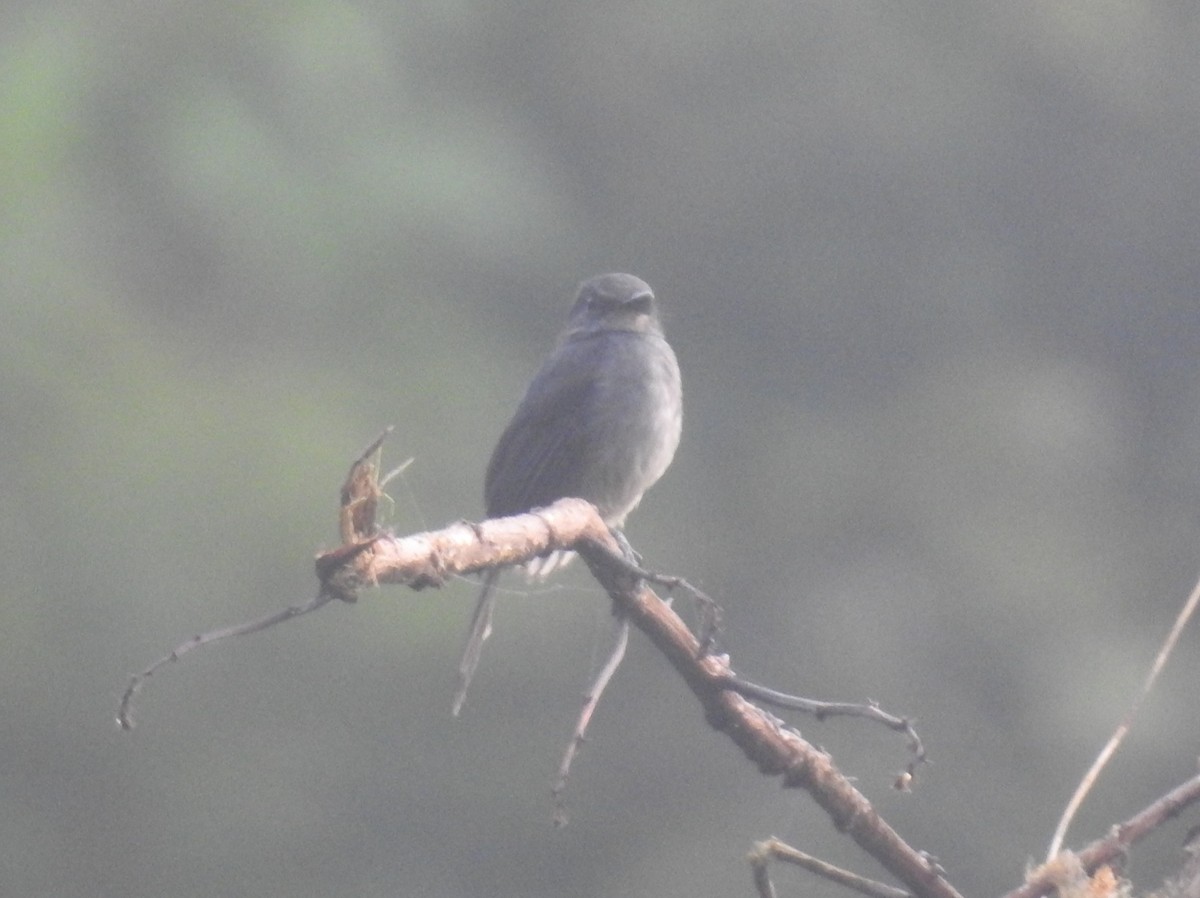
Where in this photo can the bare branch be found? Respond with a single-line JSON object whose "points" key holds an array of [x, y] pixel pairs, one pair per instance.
{"points": [[1118, 736], [1113, 846], [360, 498], [821, 710], [773, 748], [590, 699], [427, 559], [773, 849], [125, 711], [368, 557]]}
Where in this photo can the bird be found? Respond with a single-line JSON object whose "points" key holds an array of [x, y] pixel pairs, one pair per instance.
{"points": [[600, 421]]}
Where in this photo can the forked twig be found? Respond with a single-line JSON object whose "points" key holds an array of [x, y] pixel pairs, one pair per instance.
{"points": [[590, 699], [820, 710], [1118, 841], [707, 631], [1118, 736], [773, 849], [360, 496], [125, 712]]}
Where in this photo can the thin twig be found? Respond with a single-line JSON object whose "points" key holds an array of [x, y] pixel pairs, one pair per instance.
{"points": [[820, 710], [590, 699], [710, 612], [1119, 839], [773, 849], [774, 749], [710, 626], [629, 562], [1118, 736], [125, 712], [360, 498]]}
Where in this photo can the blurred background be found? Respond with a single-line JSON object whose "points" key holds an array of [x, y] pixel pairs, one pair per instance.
{"points": [[931, 270]]}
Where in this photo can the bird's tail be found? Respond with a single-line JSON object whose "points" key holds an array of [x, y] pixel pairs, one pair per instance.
{"points": [[481, 629]]}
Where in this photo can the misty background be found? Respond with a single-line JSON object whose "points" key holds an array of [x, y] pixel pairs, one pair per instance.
{"points": [[931, 270]]}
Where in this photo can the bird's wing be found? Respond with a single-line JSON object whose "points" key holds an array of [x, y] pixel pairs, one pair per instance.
{"points": [[539, 455]]}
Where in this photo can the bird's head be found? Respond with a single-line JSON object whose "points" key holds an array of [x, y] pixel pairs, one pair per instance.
{"points": [[614, 302]]}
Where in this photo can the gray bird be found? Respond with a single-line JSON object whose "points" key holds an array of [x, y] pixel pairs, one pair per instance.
{"points": [[600, 421]]}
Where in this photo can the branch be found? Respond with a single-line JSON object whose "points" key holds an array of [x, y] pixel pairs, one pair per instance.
{"points": [[773, 849], [1118, 736], [360, 499], [428, 559], [1114, 846], [775, 750], [125, 711], [368, 557]]}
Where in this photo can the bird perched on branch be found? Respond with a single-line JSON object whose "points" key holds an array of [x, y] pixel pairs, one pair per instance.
{"points": [[600, 421]]}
